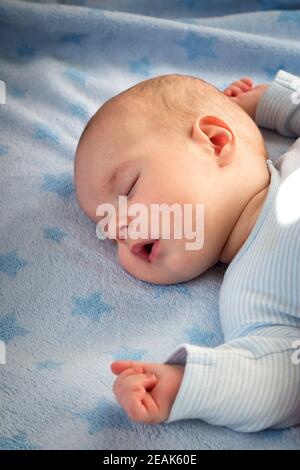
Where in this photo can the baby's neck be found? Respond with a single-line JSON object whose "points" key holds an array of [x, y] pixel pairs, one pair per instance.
{"points": [[244, 226]]}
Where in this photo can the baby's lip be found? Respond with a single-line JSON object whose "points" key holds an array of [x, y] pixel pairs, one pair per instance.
{"points": [[139, 249]]}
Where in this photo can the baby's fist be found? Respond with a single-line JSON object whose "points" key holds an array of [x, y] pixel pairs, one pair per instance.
{"points": [[146, 391]]}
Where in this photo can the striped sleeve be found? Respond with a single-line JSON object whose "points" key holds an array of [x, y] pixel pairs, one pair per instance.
{"points": [[279, 106], [248, 384]]}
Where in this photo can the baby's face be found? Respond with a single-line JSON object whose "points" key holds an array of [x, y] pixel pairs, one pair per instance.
{"points": [[153, 170]]}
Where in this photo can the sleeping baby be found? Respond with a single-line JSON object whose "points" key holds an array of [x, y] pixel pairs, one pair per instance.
{"points": [[178, 139]]}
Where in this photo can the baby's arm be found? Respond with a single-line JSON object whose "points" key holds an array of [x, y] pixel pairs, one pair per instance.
{"points": [[275, 106], [248, 384]]}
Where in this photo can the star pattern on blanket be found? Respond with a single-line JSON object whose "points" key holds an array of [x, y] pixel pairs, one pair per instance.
{"points": [[26, 51], [197, 46], [125, 352], [73, 38], [43, 132], [271, 71], [105, 415], [266, 5], [75, 76], [9, 328], [201, 336], [18, 92], [48, 365], [141, 66], [18, 441], [10, 263], [3, 150], [54, 233], [191, 3], [289, 16], [62, 185], [92, 306], [159, 290], [275, 433], [78, 110]]}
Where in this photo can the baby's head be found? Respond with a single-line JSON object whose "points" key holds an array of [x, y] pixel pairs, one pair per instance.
{"points": [[170, 139]]}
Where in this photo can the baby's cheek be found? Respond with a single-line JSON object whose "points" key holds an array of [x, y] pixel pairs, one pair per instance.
{"points": [[177, 261], [185, 263], [124, 256], [131, 263]]}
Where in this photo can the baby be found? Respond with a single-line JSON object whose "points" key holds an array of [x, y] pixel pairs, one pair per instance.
{"points": [[177, 138]]}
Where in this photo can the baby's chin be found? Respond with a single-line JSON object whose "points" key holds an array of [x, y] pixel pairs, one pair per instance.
{"points": [[159, 275], [158, 279]]}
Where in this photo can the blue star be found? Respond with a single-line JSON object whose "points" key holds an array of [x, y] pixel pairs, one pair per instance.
{"points": [[17, 92], [105, 415], [3, 150], [75, 76], [61, 184], [9, 328], [211, 6], [43, 132], [160, 290], [54, 233], [271, 71], [289, 16], [17, 442], [127, 353], [73, 38], [201, 336], [48, 364], [11, 263], [92, 306], [274, 433], [191, 3], [26, 51], [266, 5], [78, 2], [79, 111], [197, 46], [141, 66]]}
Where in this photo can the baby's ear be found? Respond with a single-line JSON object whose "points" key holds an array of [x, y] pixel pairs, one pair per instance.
{"points": [[220, 135]]}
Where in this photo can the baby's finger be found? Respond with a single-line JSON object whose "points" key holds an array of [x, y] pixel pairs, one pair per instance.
{"points": [[136, 409], [247, 80], [227, 92], [240, 84], [118, 386], [133, 382], [235, 90], [150, 404], [118, 367], [142, 407]]}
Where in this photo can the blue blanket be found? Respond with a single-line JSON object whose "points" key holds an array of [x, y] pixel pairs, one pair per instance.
{"points": [[67, 308]]}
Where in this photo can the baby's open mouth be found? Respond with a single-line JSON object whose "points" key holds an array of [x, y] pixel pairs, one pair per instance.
{"points": [[146, 251]]}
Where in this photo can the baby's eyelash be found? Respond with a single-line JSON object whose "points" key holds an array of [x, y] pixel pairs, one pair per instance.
{"points": [[132, 186]]}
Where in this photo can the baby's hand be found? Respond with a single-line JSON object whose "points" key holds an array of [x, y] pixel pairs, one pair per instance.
{"points": [[243, 93], [146, 391]]}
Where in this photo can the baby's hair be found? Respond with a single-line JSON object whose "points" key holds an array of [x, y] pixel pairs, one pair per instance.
{"points": [[183, 97]]}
